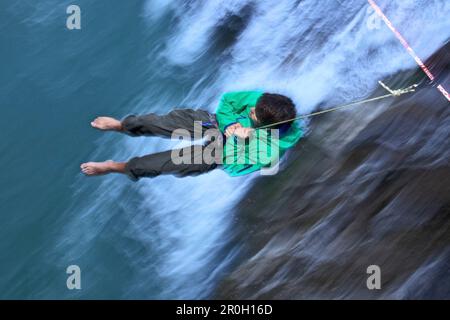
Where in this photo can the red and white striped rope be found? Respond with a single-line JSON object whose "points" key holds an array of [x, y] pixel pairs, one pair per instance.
{"points": [[408, 48]]}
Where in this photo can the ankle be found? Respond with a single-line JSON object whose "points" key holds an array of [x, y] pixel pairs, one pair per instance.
{"points": [[117, 167]]}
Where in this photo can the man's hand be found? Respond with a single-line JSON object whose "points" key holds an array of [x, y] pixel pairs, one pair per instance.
{"points": [[230, 130], [243, 133]]}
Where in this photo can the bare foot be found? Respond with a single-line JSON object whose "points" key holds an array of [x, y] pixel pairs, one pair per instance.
{"points": [[97, 168], [100, 168], [107, 123]]}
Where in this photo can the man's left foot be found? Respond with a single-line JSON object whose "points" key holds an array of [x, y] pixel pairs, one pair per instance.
{"points": [[97, 168]]}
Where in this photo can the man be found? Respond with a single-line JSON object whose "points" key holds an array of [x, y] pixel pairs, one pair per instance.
{"points": [[238, 118]]}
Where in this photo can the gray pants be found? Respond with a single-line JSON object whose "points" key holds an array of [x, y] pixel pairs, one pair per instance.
{"points": [[159, 163]]}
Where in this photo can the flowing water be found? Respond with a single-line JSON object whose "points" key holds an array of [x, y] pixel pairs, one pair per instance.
{"points": [[166, 237]]}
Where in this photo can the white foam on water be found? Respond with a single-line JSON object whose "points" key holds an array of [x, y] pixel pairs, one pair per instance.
{"points": [[193, 34]]}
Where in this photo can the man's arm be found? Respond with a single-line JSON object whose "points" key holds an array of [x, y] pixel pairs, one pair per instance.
{"points": [[231, 105]]}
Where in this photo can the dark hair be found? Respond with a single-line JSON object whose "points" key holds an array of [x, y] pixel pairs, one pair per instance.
{"points": [[272, 108]]}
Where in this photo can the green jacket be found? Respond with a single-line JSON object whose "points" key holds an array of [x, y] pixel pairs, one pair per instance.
{"points": [[261, 150]]}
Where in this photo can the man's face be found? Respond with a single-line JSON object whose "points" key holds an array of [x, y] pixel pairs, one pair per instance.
{"points": [[253, 115]]}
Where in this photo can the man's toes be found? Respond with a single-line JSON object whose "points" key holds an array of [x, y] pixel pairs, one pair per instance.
{"points": [[85, 165], [96, 123]]}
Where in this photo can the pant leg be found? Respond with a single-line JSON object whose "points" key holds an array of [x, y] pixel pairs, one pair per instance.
{"points": [[163, 125], [153, 165]]}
